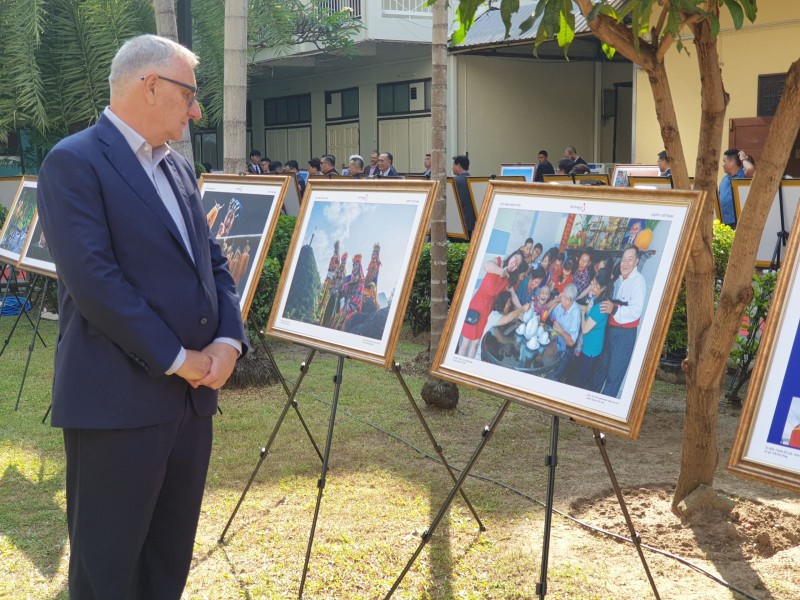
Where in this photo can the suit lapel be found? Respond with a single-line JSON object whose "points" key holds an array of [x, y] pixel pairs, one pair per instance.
{"points": [[125, 162]]}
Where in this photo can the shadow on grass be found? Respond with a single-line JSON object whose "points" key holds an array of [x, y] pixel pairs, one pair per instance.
{"points": [[32, 520]]}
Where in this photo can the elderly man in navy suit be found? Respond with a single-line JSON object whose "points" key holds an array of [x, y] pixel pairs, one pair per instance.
{"points": [[150, 329]]}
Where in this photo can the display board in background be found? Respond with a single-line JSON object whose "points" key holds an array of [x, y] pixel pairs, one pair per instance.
{"points": [[650, 183], [242, 212], [787, 197], [526, 170], [8, 190], [35, 255], [18, 222], [526, 358], [351, 266], [620, 174]]}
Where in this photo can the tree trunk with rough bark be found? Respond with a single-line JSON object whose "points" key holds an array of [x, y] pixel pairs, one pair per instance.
{"points": [[436, 392], [234, 120], [707, 364], [167, 26]]}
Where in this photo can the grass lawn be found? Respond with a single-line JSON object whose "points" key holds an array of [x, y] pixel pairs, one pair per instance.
{"points": [[382, 492]]}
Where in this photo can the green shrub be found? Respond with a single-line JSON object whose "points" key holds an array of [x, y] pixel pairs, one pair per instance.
{"points": [[282, 238], [271, 272], [265, 294], [677, 336], [3, 213], [418, 313]]}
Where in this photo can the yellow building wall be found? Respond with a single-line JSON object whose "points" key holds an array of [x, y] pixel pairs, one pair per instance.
{"points": [[765, 47]]}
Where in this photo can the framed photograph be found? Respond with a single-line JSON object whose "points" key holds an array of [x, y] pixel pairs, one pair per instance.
{"points": [[456, 224], [787, 198], [619, 177], [650, 183], [559, 179], [578, 330], [242, 212], [591, 177], [18, 221], [35, 255], [767, 442], [351, 265], [8, 190], [526, 170], [478, 186]]}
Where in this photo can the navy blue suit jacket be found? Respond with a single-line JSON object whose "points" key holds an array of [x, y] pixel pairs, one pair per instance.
{"points": [[130, 295]]}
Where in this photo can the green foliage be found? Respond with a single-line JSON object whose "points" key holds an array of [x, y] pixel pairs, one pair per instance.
{"points": [[746, 346], [282, 238], [271, 272], [677, 335], [555, 19], [56, 58], [418, 313], [265, 293], [3, 213]]}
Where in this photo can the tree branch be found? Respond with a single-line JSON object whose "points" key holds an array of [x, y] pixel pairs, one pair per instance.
{"points": [[620, 37]]}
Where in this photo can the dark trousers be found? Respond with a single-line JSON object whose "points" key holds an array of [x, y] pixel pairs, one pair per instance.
{"points": [[133, 502], [618, 345]]}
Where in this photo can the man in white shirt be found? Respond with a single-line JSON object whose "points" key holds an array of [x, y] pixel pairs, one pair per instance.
{"points": [[624, 310]]}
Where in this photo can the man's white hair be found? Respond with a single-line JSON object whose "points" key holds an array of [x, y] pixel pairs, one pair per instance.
{"points": [[146, 53]]}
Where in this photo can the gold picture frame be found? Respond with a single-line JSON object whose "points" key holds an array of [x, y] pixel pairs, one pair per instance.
{"points": [[659, 182], [252, 204], [598, 218], [323, 301], [19, 220], [35, 255], [620, 174], [789, 195], [766, 447]]}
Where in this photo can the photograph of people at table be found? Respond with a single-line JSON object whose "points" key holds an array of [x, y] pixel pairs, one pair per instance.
{"points": [[573, 316]]}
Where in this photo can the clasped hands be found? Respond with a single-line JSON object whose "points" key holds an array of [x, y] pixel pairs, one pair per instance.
{"points": [[210, 367]]}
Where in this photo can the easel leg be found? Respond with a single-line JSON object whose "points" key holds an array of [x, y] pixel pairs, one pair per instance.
{"points": [[271, 357], [33, 341], [486, 436], [600, 440], [551, 462], [19, 300], [265, 450], [321, 483], [19, 316], [436, 446]]}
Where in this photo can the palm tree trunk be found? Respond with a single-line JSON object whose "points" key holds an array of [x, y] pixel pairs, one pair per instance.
{"points": [[234, 120], [167, 26], [436, 392]]}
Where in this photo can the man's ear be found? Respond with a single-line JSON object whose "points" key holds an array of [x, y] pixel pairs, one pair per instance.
{"points": [[150, 88]]}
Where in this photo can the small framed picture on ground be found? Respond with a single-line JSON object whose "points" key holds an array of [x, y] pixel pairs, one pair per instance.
{"points": [[18, 222], [767, 443], [351, 265], [35, 255], [242, 213], [565, 298], [619, 177]]}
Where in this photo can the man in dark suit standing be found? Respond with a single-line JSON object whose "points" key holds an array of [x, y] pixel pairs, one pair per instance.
{"points": [[460, 169], [150, 329], [255, 168]]}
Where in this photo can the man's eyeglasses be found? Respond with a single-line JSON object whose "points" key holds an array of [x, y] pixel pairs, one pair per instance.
{"points": [[191, 88]]}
